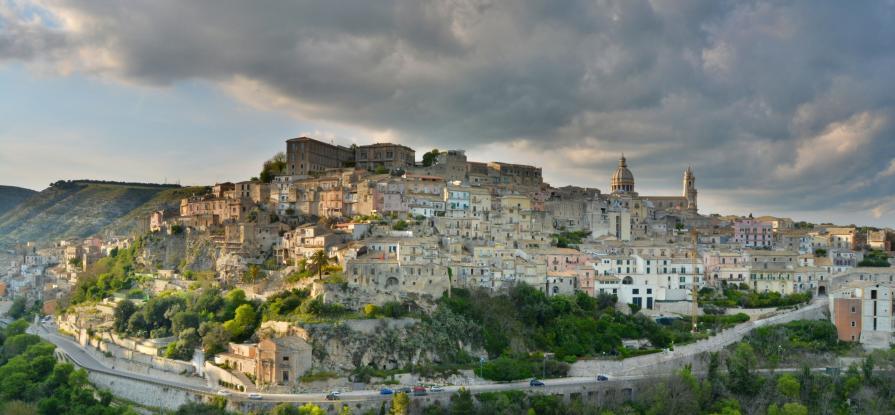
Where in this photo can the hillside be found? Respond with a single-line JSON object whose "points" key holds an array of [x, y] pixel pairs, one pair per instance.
{"points": [[81, 209], [11, 196]]}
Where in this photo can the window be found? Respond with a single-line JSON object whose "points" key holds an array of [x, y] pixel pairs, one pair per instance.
{"points": [[285, 358], [853, 309], [853, 324]]}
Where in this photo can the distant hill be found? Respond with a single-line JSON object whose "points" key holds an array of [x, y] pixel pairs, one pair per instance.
{"points": [[78, 209], [11, 196]]}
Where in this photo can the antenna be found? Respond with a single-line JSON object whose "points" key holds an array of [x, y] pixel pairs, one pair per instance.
{"points": [[694, 292]]}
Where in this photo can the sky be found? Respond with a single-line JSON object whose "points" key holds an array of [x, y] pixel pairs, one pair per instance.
{"points": [[781, 107]]}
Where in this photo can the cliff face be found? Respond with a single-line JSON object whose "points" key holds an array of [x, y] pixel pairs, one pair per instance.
{"points": [[83, 209], [393, 344], [191, 251]]}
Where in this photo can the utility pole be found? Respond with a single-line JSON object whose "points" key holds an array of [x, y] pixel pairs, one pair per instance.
{"points": [[694, 291]]}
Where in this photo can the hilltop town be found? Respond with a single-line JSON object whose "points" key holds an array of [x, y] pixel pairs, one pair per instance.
{"points": [[371, 264]]}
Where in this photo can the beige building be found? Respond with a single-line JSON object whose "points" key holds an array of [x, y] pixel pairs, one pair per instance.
{"points": [[385, 155], [272, 361]]}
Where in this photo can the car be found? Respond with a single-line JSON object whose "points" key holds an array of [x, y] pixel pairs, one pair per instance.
{"points": [[332, 396], [436, 389], [405, 389], [535, 382], [602, 378], [386, 391], [255, 396], [419, 391], [223, 392]]}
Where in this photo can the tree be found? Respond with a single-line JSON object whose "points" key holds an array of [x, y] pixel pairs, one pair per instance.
{"points": [[430, 156], [788, 386], [18, 308], [461, 403], [243, 322], [400, 404], [400, 225], [18, 408], [183, 320], [310, 409], [214, 337], [346, 410], [741, 367], [123, 312], [276, 165], [136, 325], [284, 409], [788, 409], [320, 260], [253, 274]]}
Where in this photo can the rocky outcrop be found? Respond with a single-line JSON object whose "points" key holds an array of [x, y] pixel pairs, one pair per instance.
{"points": [[192, 251], [393, 344]]}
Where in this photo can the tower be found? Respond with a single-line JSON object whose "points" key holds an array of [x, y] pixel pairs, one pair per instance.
{"points": [[690, 190], [622, 179]]}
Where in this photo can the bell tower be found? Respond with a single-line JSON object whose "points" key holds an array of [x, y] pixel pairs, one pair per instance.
{"points": [[690, 190]]}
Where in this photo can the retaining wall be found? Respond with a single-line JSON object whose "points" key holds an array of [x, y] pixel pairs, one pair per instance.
{"points": [[668, 362]]}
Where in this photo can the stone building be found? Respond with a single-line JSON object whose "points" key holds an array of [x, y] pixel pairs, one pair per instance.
{"points": [[272, 361], [306, 155], [384, 155]]}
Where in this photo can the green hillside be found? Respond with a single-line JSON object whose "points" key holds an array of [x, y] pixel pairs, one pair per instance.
{"points": [[11, 196], [82, 208]]}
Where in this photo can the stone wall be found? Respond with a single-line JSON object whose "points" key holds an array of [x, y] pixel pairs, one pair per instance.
{"points": [[143, 393]]}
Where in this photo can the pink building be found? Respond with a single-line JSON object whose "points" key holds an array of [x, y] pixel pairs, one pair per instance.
{"points": [[564, 259], [753, 233]]}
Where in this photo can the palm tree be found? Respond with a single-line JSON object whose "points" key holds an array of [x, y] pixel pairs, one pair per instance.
{"points": [[320, 260]]}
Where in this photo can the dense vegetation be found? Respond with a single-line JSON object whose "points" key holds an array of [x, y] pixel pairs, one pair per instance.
{"points": [[796, 342], [197, 318], [746, 298], [32, 382], [275, 166], [526, 320], [107, 276], [875, 258], [567, 239]]}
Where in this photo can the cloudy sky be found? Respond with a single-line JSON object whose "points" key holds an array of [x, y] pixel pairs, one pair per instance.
{"points": [[781, 107]]}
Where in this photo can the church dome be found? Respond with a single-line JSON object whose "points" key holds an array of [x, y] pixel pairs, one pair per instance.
{"points": [[622, 179]]}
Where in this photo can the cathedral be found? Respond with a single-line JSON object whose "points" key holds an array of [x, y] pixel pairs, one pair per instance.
{"points": [[622, 187]]}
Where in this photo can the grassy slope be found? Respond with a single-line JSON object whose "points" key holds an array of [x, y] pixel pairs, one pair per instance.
{"points": [[11, 196], [84, 210]]}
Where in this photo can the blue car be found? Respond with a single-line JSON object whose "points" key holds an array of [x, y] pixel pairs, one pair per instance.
{"points": [[535, 382], [386, 391]]}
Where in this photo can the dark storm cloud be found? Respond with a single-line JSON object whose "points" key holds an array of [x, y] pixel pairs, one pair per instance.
{"points": [[788, 105]]}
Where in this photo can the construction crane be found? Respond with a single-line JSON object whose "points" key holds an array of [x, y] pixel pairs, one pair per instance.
{"points": [[694, 284]]}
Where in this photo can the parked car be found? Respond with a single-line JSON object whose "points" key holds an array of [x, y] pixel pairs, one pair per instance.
{"points": [[602, 378], [255, 396], [535, 382], [436, 389], [405, 389], [419, 391], [386, 391], [332, 396], [223, 392]]}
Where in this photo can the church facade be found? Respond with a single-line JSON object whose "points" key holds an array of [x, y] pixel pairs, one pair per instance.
{"points": [[622, 187]]}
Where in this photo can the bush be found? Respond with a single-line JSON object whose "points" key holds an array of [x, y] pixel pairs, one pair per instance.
{"points": [[505, 369]]}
